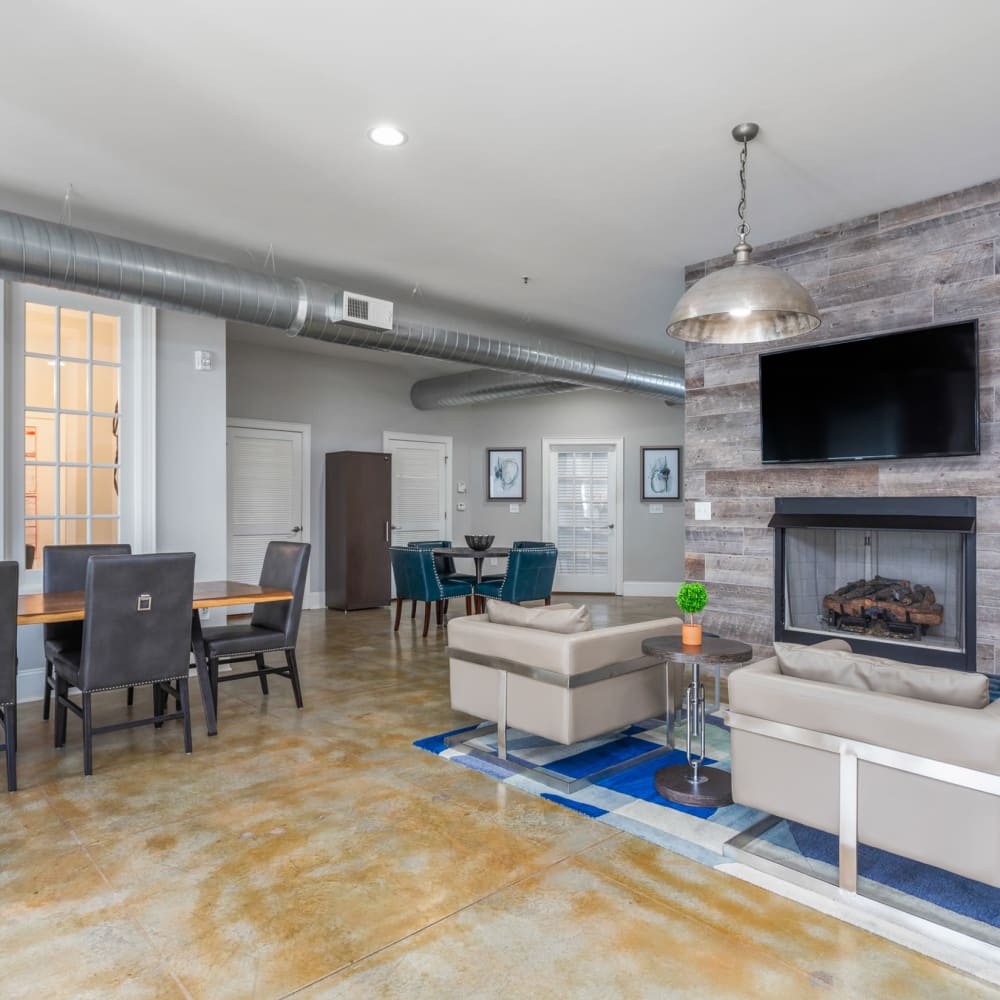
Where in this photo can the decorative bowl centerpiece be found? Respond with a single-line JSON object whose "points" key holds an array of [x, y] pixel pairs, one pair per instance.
{"points": [[479, 542]]}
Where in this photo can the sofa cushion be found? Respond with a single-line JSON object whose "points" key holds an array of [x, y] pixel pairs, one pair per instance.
{"points": [[884, 676], [564, 619]]}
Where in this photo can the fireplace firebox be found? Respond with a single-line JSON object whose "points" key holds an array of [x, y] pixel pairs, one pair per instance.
{"points": [[894, 576]]}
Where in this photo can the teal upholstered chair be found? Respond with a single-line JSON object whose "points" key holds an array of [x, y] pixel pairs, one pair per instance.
{"points": [[445, 566], [417, 579], [532, 545], [529, 576]]}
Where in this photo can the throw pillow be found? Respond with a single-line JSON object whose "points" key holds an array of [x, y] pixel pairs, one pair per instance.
{"points": [[564, 619], [884, 676]]}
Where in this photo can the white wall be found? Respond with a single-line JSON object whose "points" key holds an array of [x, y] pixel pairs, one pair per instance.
{"points": [[349, 404], [191, 443]]}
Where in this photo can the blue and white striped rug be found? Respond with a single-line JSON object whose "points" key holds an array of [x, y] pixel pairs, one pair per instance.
{"points": [[628, 801]]}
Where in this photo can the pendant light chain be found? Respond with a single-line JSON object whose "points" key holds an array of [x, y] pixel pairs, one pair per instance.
{"points": [[743, 229]]}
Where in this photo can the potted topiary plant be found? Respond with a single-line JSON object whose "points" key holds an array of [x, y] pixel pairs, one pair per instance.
{"points": [[691, 598]]}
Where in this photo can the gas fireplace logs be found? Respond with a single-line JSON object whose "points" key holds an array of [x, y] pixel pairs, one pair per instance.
{"points": [[881, 606]]}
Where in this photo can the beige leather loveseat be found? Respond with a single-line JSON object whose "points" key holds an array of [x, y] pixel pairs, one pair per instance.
{"points": [[551, 675], [812, 721]]}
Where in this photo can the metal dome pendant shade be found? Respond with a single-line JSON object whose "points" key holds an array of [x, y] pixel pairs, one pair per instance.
{"points": [[744, 303]]}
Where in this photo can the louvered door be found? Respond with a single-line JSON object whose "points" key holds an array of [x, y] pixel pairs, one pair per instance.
{"points": [[418, 491], [583, 514], [265, 495]]}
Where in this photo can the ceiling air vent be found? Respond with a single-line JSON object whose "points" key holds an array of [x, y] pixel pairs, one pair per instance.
{"points": [[366, 312]]}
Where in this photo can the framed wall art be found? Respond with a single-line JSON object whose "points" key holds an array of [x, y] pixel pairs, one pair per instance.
{"points": [[505, 474], [661, 474]]}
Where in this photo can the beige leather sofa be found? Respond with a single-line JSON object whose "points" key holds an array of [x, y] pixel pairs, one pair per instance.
{"points": [[564, 687], [833, 706]]}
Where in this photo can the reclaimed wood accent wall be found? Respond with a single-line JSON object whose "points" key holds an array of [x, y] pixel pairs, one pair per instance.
{"points": [[936, 261]]}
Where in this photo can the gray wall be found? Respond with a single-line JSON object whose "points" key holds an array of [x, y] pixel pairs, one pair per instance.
{"points": [[349, 404], [191, 443], [932, 262]]}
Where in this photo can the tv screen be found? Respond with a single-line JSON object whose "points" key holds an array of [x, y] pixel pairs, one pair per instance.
{"points": [[900, 395]]}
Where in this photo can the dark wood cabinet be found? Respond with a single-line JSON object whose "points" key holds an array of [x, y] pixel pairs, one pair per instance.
{"points": [[358, 510]]}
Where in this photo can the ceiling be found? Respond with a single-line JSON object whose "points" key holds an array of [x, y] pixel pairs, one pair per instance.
{"points": [[584, 146]]}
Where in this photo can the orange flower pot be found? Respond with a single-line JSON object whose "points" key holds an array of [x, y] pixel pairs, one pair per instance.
{"points": [[691, 635]]}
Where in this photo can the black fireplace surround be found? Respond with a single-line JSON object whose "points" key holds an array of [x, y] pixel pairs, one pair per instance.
{"points": [[865, 518]]}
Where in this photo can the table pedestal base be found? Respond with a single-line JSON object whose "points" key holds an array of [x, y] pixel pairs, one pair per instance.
{"points": [[676, 784]]}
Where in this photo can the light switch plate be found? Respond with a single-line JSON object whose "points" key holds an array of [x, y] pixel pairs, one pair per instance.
{"points": [[656, 508], [460, 506], [703, 510], [515, 508], [461, 488], [202, 361]]}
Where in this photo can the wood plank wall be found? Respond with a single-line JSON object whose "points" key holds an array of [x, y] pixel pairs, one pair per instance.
{"points": [[932, 262]]}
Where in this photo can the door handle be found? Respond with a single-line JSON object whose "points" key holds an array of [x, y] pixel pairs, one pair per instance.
{"points": [[610, 526], [296, 529], [387, 527]]}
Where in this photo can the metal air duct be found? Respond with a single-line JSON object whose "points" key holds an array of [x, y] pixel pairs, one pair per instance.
{"points": [[481, 386], [65, 257]]}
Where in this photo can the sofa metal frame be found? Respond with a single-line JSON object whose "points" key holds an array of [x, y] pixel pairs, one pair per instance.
{"points": [[851, 752], [553, 779]]}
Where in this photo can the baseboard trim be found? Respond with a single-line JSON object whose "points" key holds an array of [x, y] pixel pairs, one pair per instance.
{"points": [[314, 600], [650, 588]]}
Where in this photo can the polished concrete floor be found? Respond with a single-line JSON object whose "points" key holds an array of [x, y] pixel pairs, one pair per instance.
{"points": [[318, 853]]}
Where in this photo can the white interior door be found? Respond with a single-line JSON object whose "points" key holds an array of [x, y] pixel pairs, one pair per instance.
{"points": [[420, 487], [267, 493], [582, 501]]}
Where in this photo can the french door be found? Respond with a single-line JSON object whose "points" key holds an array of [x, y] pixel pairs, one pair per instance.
{"points": [[582, 499]]}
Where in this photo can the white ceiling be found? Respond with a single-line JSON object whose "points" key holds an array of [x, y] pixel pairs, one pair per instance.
{"points": [[581, 143]]}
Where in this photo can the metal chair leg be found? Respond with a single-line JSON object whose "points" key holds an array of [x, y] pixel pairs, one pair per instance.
{"points": [[130, 699], [293, 673], [88, 734], [159, 705], [185, 700], [59, 730], [47, 696], [213, 680], [10, 737], [260, 672]]}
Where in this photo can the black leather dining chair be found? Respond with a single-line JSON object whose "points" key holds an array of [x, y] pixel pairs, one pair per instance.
{"points": [[136, 631], [64, 567], [274, 626], [8, 668]]}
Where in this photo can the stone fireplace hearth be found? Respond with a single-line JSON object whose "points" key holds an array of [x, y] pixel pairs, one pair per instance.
{"points": [[894, 576]]}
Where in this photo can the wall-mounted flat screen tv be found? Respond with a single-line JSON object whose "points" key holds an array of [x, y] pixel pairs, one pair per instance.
{"points": [[900, 395]]}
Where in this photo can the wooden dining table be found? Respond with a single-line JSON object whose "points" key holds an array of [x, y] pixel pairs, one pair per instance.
{"points": [[69, 606]]}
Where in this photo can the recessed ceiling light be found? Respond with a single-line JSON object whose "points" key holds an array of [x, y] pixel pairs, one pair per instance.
{"points": [[387, 135]]}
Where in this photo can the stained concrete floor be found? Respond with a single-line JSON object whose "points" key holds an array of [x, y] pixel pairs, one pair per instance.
{"points": [[317, 853]]}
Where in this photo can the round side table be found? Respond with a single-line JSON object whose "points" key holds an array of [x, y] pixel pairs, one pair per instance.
{"points": [[693, 783]]}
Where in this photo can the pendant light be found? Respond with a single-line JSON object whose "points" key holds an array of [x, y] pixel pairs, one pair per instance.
{"points": [[744, 303]]}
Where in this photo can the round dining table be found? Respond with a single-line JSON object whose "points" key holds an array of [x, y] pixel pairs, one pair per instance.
{"points": [[478, 555]]}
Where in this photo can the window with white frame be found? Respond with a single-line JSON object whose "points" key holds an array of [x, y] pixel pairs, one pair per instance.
{"points": [[72, 379], [80, 414]]}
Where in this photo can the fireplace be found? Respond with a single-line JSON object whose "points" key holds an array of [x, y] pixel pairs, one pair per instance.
{"points": [[894, 576]]}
